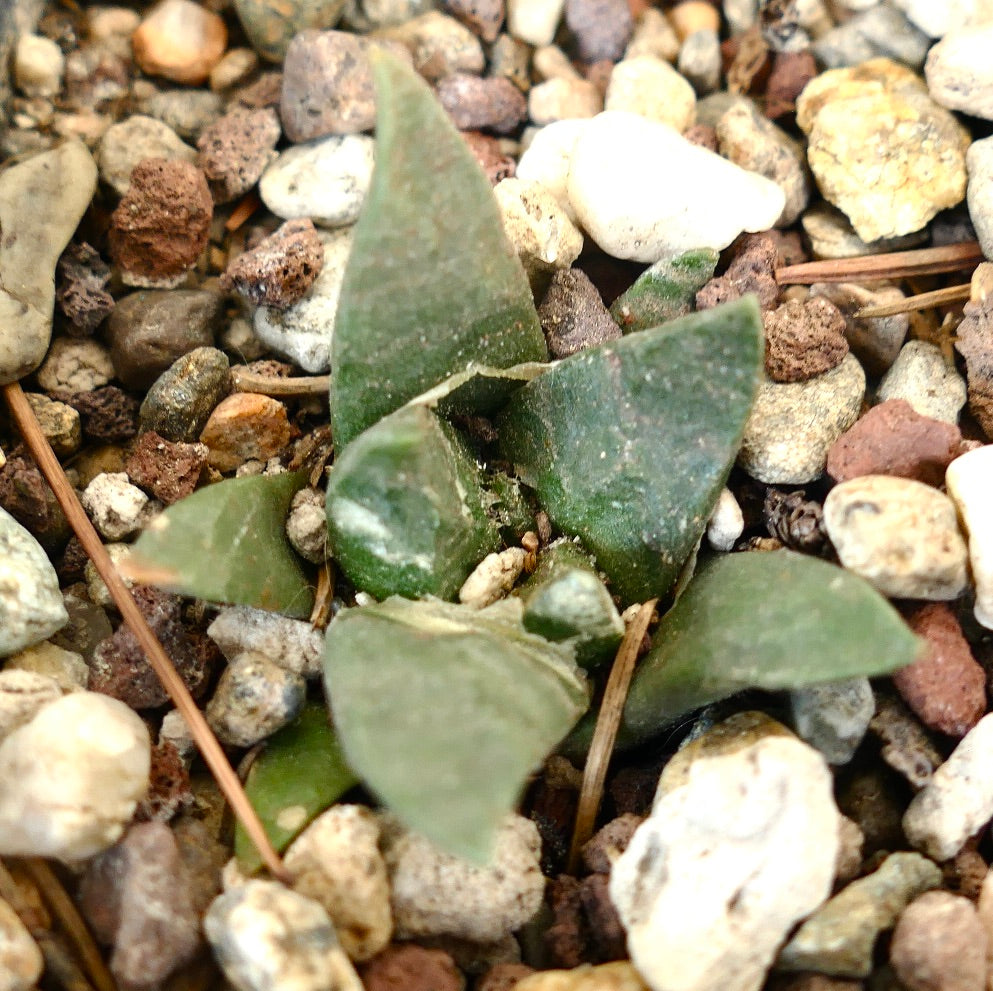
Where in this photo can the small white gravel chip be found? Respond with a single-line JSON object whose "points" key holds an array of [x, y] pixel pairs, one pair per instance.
{"points": [[38, 66], [726, 523], [493, 577], [436, 894], [21, 962], [254, 698], [307, 525], [703, 201], [958, 800], [71, 778], [76, 364], [547, 159], [969, 480], [293, 644], [138, 137], [902, 536], [563, 98], [534, 21], [325, 180], [958, 71], [115, 506], [22, 694], [651, 87], [336, 861], [268, 938], [930, 384]]}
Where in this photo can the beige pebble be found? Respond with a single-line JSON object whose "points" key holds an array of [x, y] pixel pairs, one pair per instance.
{"points": [[180, 41]]}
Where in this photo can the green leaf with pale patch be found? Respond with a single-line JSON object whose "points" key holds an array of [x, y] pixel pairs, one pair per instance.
{"points": [[300, 772], [227, 543], [432, 285], [445, 711], [771, 620], [629, 444]]}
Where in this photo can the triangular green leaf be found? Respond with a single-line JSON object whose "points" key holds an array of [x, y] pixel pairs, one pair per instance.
{"points": [[445, 710], [637, 474], [405, 508], [227, 543], [432, 283], [300, 772], [773, 620]]}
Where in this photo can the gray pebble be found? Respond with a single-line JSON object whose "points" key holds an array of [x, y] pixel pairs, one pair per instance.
{"points": [[959, 73], [793, 425], [700, 61], [440, 45], [138, 137], [307, 525], [293, 644], [188, 112], [879, 32], [979, 163], [31, 607], [42, 201], [930, 384], [833, 718], [906, 746], [268, 938], [839, 938], [254, 698], [271, 27], [181, 400]]}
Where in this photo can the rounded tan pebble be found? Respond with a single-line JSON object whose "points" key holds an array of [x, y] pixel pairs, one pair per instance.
{"points": [[901, 536], [939, 944], [691, 16], [21, 962], [245, 426], [181, 41], [617, 976], [564, 99]]}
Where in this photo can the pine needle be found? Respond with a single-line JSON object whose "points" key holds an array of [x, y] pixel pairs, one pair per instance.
{"points": [[922, 301]]}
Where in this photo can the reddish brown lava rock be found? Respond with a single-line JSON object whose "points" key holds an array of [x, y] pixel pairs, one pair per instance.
{"points": [[80, 290], [975, 344], [161, 225], [893, 439], [503, 976], [605, 927], [752, 269], [168, 470], [475, 102], [280, 269], [120, 669], [409, 967], [482, 17], [567, 938], [491, 158], [610, 841], [791, 71], [235, 150], [25, 494], [108, 414], [803, 339], [168, 785], [245, 426], [947, 687]]}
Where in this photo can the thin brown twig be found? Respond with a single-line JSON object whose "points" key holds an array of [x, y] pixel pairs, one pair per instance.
{"points": [[211, 750], [64, 909], [897, 265], [607, 724], [922, 301], [244, 380], [248, 205]]}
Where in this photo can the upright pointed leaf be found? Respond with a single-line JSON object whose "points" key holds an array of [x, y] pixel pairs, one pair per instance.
{"points": [[445, 710], [227, 543], [774, 620], [300, 772], [629, 444], [432, 284]]}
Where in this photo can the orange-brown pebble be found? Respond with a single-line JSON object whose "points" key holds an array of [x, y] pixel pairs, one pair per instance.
{"points": [[691, 16], [181, 41], [243, 427]]}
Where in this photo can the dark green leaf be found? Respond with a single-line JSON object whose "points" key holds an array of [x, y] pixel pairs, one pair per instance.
{"points": [[432, 284], [227, 543], [405, 508], [445, 710], [629, 444], [665, 291], [300, 772], [773, 620]]}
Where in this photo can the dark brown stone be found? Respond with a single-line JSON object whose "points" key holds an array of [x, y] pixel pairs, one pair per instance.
{"points": [[108, 415], [573, 316], [893, 439], [150, 330], [503, 976], [602, 28], [475, 102], [169, 471], [235, 150], [791, 71], [946, 687], [280, 269], [752, 269], [409, 967], [491, 158], [803, 340], [606, 930], [120, 668], [266, 91], [327, 85], [482, 17], [25, 494], [794, 520], [161, 225], [81, 294], [137, 897], [567, 939]]}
